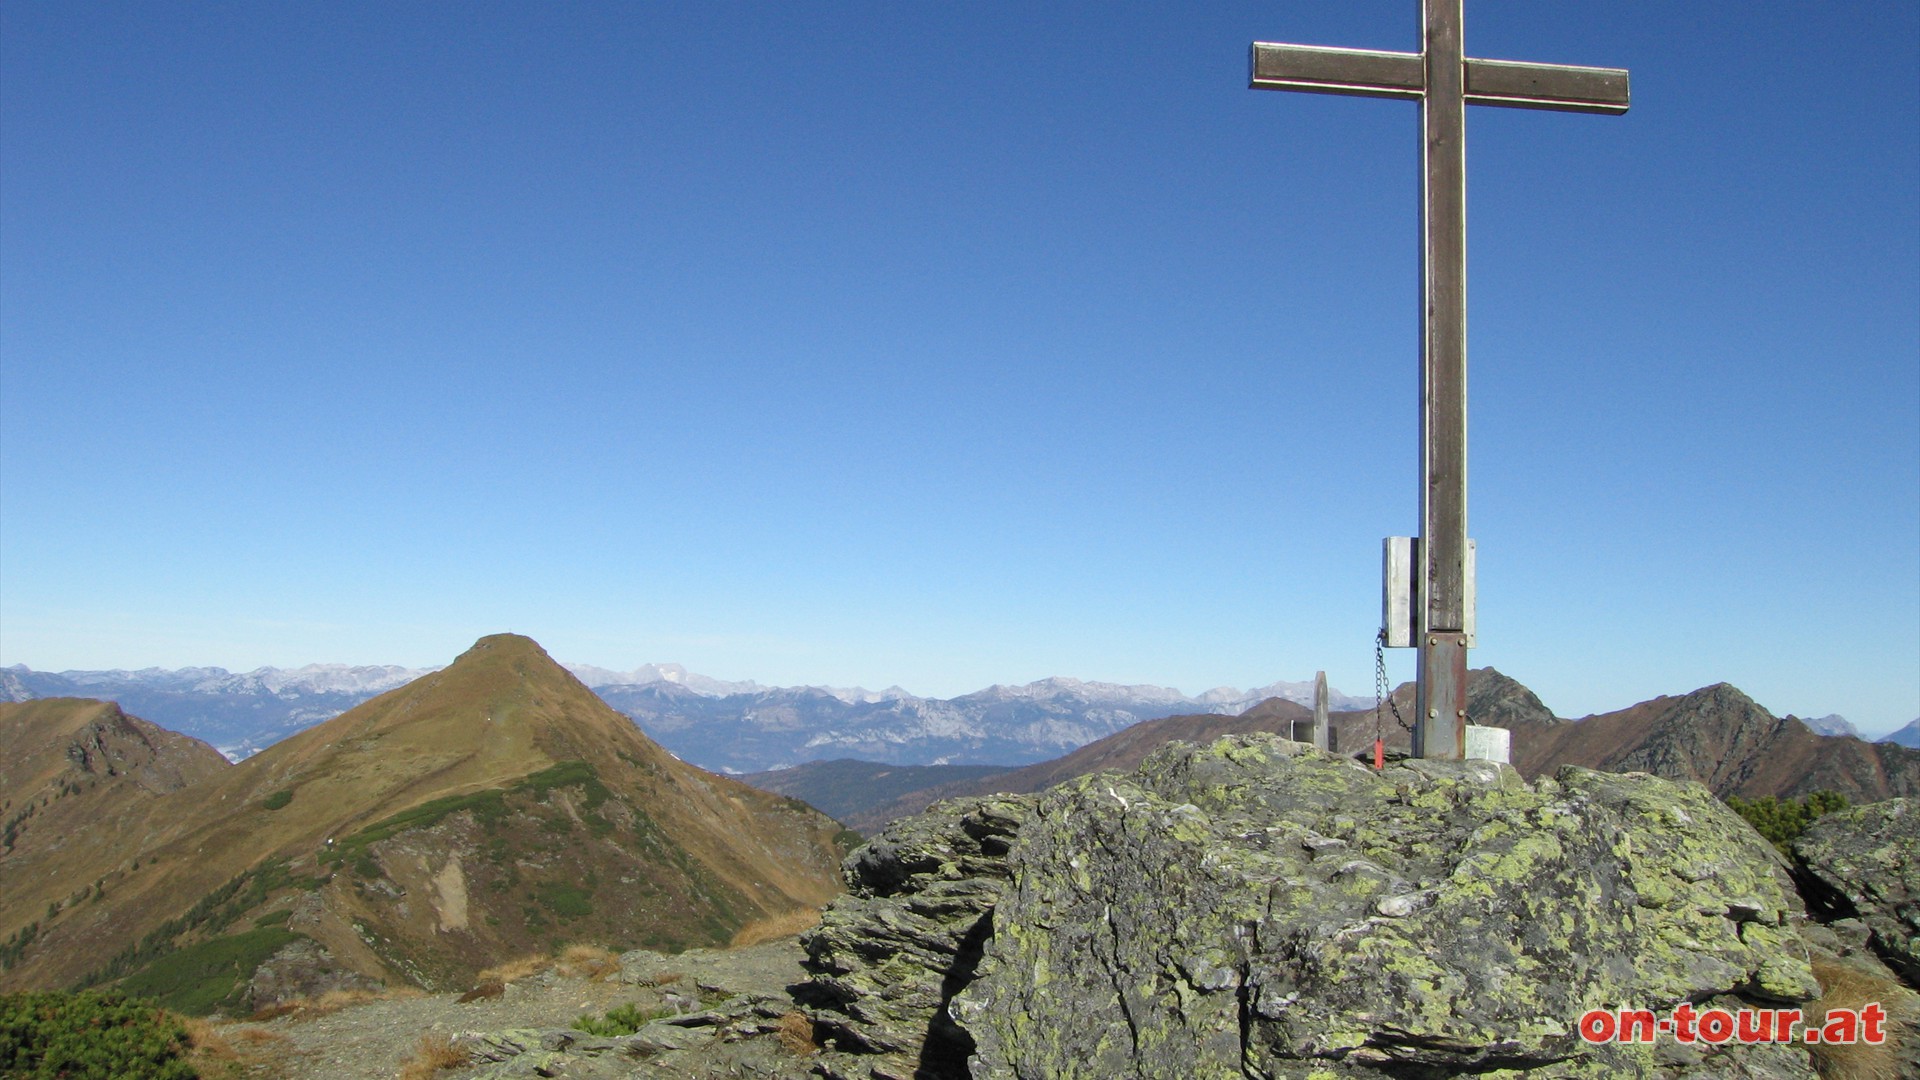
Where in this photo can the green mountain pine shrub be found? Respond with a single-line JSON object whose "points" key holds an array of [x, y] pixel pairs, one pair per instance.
{"points": [[90, 1036], [1783, 820]]}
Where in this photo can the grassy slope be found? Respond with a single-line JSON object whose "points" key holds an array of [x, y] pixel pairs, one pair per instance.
{"points": [[502, 712], [81, 768]]}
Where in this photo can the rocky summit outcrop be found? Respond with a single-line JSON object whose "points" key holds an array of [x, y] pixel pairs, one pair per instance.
{"points": [[80, 776], [888, 956], [1257, 908], [1310, 916], [1864, 863]]}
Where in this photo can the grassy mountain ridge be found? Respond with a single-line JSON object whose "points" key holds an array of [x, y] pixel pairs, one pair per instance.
{"points": [[1715, 735], [1722, 738], [72, 763], [485, 809]]}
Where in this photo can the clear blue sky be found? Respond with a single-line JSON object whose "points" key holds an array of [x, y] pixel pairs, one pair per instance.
{"points": [[949, 344]]}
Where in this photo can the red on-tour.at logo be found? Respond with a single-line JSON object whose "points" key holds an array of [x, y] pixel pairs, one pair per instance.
{"points": [[1867, 1024]]}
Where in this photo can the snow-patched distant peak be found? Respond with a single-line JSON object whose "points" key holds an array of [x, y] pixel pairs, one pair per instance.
{"points": [[316, 679], [1062, 686], [640, 676], [678, 675], [311, 679], [860, 695], [707, 686], [851, 695], [1220, 699], [1221, 695], [159, 678]]}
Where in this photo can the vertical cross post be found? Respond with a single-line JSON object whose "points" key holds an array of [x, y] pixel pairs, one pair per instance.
{"points": [[1444, 80], [1320, 711], [1440, 699]]}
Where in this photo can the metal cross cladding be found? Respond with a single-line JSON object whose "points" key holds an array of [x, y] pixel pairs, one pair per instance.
{"points": [[1444, 81]]}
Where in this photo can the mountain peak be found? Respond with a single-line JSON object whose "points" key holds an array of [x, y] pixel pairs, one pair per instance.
{"points": [[1502, 701], [508, 645], [1908, 736], [504, 707], [1721, 693], [1831, 725], [426, 819]]}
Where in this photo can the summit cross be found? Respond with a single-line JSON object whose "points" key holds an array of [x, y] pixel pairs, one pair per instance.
{"points": [[1444, 80]]}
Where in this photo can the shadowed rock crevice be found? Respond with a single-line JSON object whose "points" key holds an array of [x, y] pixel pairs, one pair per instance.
{"points": [[889, 956], [948, 1045], [1864, 863], [1824, 902]]}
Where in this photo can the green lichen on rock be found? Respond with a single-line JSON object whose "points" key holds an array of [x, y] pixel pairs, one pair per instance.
{"points": [[1865, 862], [889, 954], [1256, 907]]}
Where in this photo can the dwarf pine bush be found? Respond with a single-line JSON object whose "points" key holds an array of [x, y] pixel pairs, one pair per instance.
{"points": [[621, 1020], [90, 1035], [1783, 820]]}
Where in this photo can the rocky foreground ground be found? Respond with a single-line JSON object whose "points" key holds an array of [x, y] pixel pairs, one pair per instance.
{"points": [[1253, 908], [725, 1009]]}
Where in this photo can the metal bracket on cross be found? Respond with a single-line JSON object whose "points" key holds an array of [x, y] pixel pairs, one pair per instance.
{"points": [[1400, 592]]}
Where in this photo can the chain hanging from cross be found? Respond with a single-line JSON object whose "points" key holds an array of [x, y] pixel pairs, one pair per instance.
{"points": [[1444, 80]]}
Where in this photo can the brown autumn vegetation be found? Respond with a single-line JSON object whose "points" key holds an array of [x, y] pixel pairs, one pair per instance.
{"points": [[332, 1002], [596, 962], [434, 1054], [499, 795], [795, 1032], [776, 927], [1844, 986]]}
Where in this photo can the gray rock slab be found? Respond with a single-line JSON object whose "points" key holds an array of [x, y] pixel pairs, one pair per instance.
{"points": [[1868, 858], [1260, 908], [888, 955]]}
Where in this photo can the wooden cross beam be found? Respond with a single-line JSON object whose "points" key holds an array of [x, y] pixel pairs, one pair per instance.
{"points": [[1444, 81]]}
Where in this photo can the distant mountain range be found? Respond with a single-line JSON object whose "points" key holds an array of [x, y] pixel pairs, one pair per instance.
{"points": [[1001, 725], [866, 802], [1716, 735], [497, 807], [240, 714], [734, 727]]}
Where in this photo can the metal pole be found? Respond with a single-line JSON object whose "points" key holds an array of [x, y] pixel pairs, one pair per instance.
{"points": [[1440, 700], [1320, 711]]}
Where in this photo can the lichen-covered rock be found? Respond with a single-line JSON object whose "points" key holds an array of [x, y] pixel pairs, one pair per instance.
{"points": [[303, 968], [889, 954], [1866, 863], [1259, 908]]}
